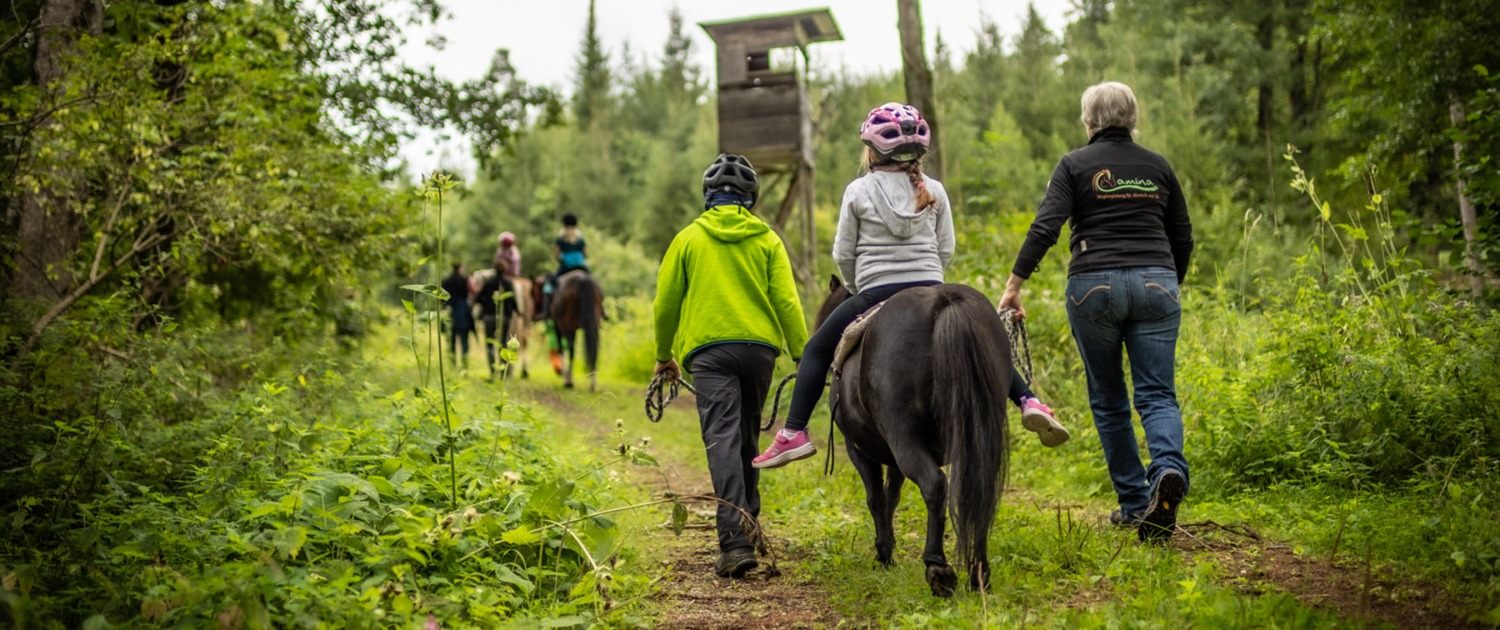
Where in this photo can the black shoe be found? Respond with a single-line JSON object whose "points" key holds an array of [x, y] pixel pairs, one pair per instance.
{"points": [[1161, 517], [736, 562], [1118, 519]]}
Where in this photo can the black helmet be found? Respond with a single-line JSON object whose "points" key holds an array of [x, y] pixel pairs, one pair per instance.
{"points": [[730, 171], [570, 220]]}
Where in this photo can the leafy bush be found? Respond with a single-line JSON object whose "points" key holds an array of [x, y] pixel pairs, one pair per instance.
{"points": [[322, 497], [1366, 368], [1354, 388]]}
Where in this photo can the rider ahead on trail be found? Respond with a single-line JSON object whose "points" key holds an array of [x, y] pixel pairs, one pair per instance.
{"points": [[895, 232], [509, 255], [726, 303], [571, 250]]}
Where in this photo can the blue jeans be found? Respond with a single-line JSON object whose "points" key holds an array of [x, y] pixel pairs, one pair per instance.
{"points": [[1137, 309]]}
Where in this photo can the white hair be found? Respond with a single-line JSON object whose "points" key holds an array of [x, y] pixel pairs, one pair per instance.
{"points": [[1108, 104]]}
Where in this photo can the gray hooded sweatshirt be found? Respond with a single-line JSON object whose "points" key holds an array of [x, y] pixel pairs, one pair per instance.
{"points": [[883, 240]]}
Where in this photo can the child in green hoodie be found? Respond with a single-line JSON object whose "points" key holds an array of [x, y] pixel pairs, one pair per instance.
{"points": [[726, 304]]}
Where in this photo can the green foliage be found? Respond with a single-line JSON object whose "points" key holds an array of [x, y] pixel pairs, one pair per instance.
{"points": [[191, 447], [1375, 375], [324, 497], [631, 342]]}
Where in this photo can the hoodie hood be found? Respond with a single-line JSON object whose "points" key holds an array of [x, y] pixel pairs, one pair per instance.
{"points": [[899, 207], [731, 224]]}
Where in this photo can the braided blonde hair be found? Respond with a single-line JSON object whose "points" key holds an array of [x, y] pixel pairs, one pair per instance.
{"points": [[913, 170]]}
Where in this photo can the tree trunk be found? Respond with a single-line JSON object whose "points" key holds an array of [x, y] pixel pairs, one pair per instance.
{"points": [[1265, 35], [919, 78], [48, 228], [1466, 211]]}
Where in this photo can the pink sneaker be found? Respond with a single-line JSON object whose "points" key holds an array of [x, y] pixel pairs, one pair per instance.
{"points": [[1038, 419], [784, 450]]}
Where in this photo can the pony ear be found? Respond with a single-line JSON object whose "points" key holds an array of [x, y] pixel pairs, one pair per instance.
{"points": [[834, 283]]}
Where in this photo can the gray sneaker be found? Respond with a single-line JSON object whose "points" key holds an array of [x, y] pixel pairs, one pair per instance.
{"points": [[736, 562], [1119, 519]]}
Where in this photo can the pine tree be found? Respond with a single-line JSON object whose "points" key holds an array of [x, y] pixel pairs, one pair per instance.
{"points": [[592, 99]]}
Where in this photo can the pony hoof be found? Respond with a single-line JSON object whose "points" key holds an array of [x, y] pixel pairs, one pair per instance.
{"points": [[942, 580], [979, 581], [884, 563], [567, 386]]}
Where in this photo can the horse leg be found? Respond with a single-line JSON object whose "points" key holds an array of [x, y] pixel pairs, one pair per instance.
{"points": [[523, 341], [591, 338], [571, 339], [875, 499], [893, 482], [924, 471]]}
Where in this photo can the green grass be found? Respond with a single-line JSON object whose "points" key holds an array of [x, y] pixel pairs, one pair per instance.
{"points": [[1056, 561]]}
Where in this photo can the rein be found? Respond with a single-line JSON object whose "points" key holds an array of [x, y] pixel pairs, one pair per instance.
{"points": [[776, 407], [776, 403], [1015, 329], [661, 392]]}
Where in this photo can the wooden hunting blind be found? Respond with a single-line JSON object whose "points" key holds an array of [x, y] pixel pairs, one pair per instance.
{"points": [[764, 110]]}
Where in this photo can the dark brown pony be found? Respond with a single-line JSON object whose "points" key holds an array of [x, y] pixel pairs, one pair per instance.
{"points": [[926, 388], [578, 304]]}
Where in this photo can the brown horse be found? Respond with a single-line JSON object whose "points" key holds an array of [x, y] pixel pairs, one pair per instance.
{"points": [[926, 389], [577, 304]]}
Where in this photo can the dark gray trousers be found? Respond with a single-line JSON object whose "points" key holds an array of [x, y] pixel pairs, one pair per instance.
{"points": [[732, 380]]}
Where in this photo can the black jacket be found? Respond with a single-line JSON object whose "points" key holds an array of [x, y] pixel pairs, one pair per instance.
{"points": [[457, 287], [1123, 204], [485, 298]]}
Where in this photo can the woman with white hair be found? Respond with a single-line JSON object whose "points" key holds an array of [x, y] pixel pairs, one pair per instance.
{"points": [[1131, 240]]}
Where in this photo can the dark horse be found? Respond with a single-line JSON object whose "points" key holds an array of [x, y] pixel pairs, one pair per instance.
{"points": [[926, 388], [577, 304]]}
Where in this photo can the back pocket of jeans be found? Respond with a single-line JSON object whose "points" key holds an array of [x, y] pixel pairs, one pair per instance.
{"points": [[1088, 296], [1161, 293]]}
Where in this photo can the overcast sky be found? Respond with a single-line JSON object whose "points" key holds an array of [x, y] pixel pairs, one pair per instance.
{"points": [[543, 37]]}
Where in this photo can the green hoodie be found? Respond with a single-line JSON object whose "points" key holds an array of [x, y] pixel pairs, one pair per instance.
{"points": [[726, 278]]}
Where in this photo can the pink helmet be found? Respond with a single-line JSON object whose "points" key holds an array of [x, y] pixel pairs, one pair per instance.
{"points": [[507, 239], [896, 132]]}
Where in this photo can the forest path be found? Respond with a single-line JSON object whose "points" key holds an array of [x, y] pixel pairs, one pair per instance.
{"points": [[689, 594], [1355, 590]]}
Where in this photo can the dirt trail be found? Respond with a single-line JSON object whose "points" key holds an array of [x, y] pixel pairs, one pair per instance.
{"points": [[1355, 591], [690, 595], [1255, 566]]}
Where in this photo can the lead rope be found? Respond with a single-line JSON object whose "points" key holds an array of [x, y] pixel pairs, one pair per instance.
{"points": [[833, 413], [661, 392], [1015, 330], [776, 403], [776, 408]]}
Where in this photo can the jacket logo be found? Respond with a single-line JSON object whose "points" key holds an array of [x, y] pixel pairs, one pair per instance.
{"points": [[1105, 182]]}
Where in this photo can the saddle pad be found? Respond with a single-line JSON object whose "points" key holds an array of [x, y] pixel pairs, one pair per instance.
{"points": [[852, 336]]}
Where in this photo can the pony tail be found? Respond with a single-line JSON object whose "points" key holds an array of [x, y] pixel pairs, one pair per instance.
{"points": [[913, 169]]}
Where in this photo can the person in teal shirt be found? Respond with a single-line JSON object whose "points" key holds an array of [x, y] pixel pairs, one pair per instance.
{"points": [[726, 304], [570, 248], [571, 252]]}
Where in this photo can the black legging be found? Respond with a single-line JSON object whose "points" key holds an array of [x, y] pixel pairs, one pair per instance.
{"points": [[817, 356]]}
